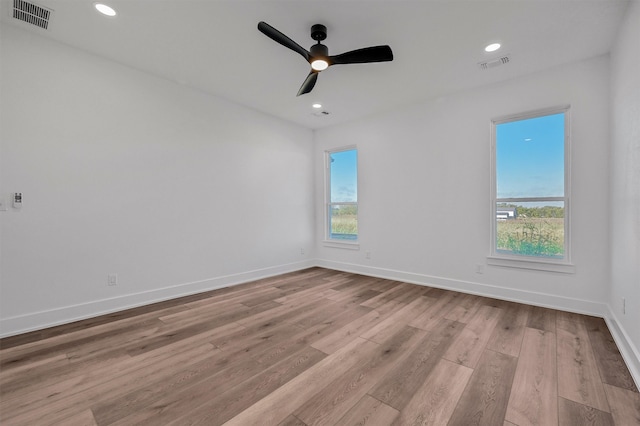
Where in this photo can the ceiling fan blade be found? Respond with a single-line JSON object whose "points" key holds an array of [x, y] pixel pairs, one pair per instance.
{"points": [[308, 84], [362, 56], [278, 37]]}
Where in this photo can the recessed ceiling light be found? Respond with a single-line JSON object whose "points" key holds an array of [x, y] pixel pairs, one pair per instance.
{"points": [[492, 47], [317, 106], [104, 9]]}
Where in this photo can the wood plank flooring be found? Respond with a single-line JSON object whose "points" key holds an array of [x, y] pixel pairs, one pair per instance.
{"points": [[320, 347]]}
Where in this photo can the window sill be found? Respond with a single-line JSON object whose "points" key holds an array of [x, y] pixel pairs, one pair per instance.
{"points": [[341, 245], [538, 265]]}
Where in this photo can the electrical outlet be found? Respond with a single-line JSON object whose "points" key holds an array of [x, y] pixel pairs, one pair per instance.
{"points": [[112, 279], [302, 251], [479, 268], [367, 255]]}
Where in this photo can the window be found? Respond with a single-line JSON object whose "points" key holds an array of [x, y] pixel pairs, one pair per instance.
{"points": [[342, 195], [530, 190]]}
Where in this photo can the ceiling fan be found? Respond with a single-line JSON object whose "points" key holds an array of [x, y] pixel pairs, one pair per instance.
{"points": [[318, 55]]}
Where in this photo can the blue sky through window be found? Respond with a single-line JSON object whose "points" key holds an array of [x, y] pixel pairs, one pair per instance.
{"points": [[530, 157], [344, 176]]}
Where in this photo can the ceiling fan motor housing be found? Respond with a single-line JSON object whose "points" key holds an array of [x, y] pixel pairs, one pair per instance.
{"points": [[319, 51]]}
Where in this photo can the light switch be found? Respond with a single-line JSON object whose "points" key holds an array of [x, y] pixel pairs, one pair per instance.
{"points": [[17, 200]]}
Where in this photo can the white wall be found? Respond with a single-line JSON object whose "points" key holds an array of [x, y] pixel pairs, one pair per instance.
{"points": [[625, 180], [174, 190], [424, 190]]}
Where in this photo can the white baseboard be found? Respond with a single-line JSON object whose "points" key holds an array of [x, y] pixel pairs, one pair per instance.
{"points": [[527, 297], [50, 318], [628, 350]]}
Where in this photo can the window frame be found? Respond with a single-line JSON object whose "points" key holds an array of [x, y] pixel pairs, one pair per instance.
{"points": [[497, 258], [328, 241]]}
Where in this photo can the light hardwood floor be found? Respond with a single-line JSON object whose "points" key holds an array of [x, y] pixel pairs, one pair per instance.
{"points": [[320, 347]]}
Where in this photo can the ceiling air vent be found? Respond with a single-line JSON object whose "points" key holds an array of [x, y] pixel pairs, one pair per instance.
{"points": [[495, 62], [31, 13]]}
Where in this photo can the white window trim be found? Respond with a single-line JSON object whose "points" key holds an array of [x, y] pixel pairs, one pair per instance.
{"points": [[529, 262], [327, 242]]}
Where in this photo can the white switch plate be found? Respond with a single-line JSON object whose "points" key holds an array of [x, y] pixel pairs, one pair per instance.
{"points": [[17, 200]]}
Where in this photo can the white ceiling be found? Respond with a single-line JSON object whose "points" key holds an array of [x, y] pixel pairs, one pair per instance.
{"points": [[214, 46]]}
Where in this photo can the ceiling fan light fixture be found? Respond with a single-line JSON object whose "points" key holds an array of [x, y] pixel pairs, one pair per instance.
{"points": [[319, 64], [317, 106]]}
